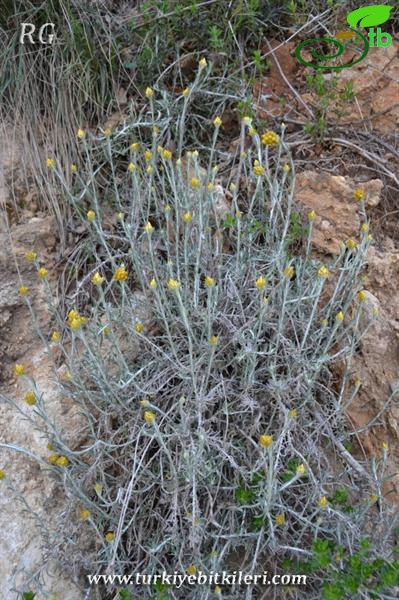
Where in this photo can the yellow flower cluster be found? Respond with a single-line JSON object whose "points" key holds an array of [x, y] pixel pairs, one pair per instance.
{"points": [[209, 281], [97, 279], [23, 290], [265, 440], [31, 256], [75, 320], [30, 398], [270, 138], [59, 461], [91, 215], [19, 370], [323, 272], [359, 194], [42, 273], [121, 274], [149, 416], [261, 283], [258, 169], [195, 182], [289, 272], [173, 285]]}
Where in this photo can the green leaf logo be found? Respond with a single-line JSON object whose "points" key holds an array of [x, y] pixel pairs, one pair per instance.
{"points": [[368, 16]]}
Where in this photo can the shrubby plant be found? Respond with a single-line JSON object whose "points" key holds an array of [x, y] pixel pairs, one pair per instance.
{"points": [[201, 349]]}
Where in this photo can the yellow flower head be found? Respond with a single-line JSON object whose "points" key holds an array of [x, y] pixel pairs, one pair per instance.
{"points": [[286, 168], [173, 285], [323, 272], [121, 274], [148, 228], [50, 163], [301, 469], [76, 323], [217, 121], [210, 186], [91, 215], [365, 227], [148, 155], [62, 461], [359, 194], [191, 570], [252, 131], [258, 170], [134, 146], [339, 317], [107, 132], [323, 502], [238, 214], [209, 281], [362, 295], [149, 92], [311, 215], [385, 446], [131, 167], [261, 283], [81, 134], [97, 279], [2, 474], [186, 92], [42, 273], [358, 383], [195, 182], [31, 256], [292, 413], [74, 168], [149, 169], [98, 487], [265, 440], [84, 515], [247, 121], [55, 336], [110, 536], [289, 272], [202, 63], [280, 519], [30, 398], [149, 416], [213, 340], [218, 589], [23, 290], [270, 138], [139, 327], [53, 459], [153, 284], [166, 154], [351, 244], [73, 314], [187, 217], [19, 370]]}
